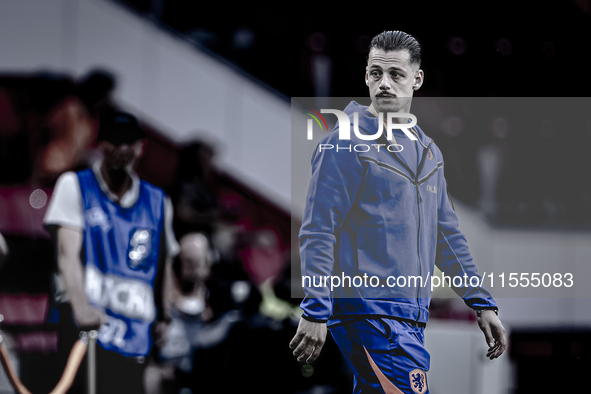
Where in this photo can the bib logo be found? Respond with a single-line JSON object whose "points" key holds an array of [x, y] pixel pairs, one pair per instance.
{"points": [[96, 217], [418, 381], [140, 247], [131, 298]]}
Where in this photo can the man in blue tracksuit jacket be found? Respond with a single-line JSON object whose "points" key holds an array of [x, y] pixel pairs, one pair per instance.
{"points": [[378, 218]]}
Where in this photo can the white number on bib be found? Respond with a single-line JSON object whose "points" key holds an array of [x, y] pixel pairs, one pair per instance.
{"points": [[113, 331]]}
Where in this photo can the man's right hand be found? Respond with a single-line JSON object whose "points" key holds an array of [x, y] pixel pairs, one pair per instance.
{"points": [[308, 340], [88, 318], [161, 333], [69, 245]]}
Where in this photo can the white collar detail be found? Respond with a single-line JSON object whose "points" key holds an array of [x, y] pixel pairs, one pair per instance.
{"points": [[129, 198]]}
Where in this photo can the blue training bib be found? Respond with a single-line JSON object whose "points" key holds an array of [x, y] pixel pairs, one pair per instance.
{"points": [[121, 253]]}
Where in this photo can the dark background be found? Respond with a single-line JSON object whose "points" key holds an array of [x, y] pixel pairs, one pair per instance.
{"points": [[470, 49], [546, 53]]}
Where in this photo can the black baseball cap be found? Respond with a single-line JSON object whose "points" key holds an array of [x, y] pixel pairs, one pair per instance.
{"points": [[123, 128]]}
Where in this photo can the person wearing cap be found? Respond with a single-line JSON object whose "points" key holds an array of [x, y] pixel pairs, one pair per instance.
{"points": [[114, 246]]}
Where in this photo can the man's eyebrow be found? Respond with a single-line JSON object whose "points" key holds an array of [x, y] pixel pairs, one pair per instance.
{"points": [[389, 68], [374, 65]]}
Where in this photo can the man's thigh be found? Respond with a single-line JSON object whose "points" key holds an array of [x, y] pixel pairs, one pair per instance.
{"points": [[386, 355]]}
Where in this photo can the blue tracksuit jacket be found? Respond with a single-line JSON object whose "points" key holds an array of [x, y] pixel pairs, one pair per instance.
{"points": [[371, 213]]}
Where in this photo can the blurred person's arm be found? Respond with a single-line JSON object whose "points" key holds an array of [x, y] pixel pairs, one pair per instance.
{"points": [[69, 244], [169, 289], [169, 249], [3, 250], [65, 219], [168, 294]]}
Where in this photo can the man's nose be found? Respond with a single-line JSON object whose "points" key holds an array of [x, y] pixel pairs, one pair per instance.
{"points": [[385, 83], [123, 148]]}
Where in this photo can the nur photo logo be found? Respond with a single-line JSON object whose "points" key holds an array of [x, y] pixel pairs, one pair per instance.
{"points": [[345, 124]]}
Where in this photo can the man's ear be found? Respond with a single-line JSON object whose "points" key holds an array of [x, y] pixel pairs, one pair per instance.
{"points": [[419, 78], [367, 75], [138, 147]]}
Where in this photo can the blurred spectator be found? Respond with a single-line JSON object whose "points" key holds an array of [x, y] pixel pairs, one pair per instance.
{"points": [[192, 325], [262, 257], [49, 123], [197, 201], [271, 368], [26, 104], [60, 131], [95, 91], [491, 158]]}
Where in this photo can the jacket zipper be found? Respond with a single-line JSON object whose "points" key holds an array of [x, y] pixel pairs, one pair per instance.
{"points": [[382, 140], [419, 201], [418, 248]]}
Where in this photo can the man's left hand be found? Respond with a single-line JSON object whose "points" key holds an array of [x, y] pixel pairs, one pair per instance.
{"points": [[308, 340], [494, 332]]}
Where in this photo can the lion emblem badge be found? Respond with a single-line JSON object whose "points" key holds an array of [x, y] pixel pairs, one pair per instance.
{"points": [[418, 381]]}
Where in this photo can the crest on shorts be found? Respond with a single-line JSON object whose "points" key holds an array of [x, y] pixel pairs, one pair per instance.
{"points": [[418, 381]]}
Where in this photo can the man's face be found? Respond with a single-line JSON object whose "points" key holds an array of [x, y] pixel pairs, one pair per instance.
{"points": [[392, 80], [121, 157], [194, 256]]}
